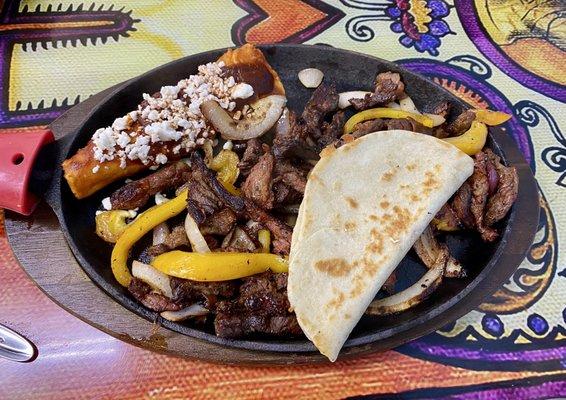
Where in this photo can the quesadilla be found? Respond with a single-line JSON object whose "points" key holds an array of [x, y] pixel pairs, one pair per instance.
{"points": [[364, 206]]}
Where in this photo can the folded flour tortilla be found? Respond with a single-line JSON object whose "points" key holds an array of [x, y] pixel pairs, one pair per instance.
{"points": [[365, 205]]}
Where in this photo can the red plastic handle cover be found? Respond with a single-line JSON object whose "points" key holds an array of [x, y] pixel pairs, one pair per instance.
{"points": [[18, 152]]}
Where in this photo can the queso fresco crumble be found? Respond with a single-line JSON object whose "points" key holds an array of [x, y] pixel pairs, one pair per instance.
{"points": [[173, 115]]}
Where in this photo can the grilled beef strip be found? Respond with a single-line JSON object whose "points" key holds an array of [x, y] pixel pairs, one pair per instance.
{"points": [[189, 292], [462, 123], [137, 193], [206, 195], [461, 205], [258, 185], [219, 223], [251, 156], [499, 204], [260, 307], [323, 101], [332, 130], [143, 293], [407, 124], [388, 88], [281, 232], [448, 217], [442, 109], [480, 189]]}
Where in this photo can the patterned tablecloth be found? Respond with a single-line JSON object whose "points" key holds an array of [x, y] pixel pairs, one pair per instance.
{"points": [[506, 55]]}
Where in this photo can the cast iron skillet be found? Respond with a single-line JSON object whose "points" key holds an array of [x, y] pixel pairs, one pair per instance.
{"points": [[489, 265]]}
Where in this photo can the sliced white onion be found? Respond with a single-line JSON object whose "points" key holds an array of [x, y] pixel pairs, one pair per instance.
{"points": [[311, 77], [429, 250], [160, 232], [266, 112], [345, 97], [393, 105], [198, 243], [437, 120], [408, 105], [194, 310], [154, 278], [454, 269], [414, 294]]}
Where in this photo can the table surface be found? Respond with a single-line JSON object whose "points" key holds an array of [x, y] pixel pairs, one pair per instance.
{"points": [[509, 58]]}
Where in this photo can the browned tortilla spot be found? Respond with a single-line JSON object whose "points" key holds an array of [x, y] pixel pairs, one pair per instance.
{"points": [[373, 217], [335, 267], [353, 203], [350, 225], [431, 182], [384, 204], [337, 301], [437, 167], [376, 244], [405, 186], [388, 176], [411, 167], [413, 197], [399, 223]]}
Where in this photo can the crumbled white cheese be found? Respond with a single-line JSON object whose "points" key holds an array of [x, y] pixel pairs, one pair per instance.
{"points": [[128, 180], [242, 91], [160, 199], [95, 169], [106, 204], [161, 159], [228, 145], [174, 116], [132, 213], [98, 212]]}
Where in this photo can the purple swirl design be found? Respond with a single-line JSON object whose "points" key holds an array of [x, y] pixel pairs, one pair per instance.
{"points": [[470, 22]]}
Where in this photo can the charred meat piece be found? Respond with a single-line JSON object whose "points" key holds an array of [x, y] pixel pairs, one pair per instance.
{"points": [[261, 307], [388, 88], [219, 223], [151, 252], [461, 205], [447, 218], [323, 101], [407, 124], [239, 241], [143, 293], [389, 285], [499, 204], [137, 193], [258, 184], [288, 136], [442, 109], [366, 127], [332, 131], [462, 123], [189, 292], [207, 195], [177, 238], [480, 189], [291, 175], [251, 155], [281, 231]]}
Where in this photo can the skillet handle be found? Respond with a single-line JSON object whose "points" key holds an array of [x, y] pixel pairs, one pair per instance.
{"points": [[18, 152]]}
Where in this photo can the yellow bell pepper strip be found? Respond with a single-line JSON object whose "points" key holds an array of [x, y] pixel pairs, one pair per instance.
{"points": [[264, 237], [138, 228], [492, 118], [111, 224], [472, 141], [374, 113], [443, 226], [212, 267], [226, 165]]}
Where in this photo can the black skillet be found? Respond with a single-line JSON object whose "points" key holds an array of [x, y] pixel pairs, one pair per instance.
{"points": [[489, 266]]}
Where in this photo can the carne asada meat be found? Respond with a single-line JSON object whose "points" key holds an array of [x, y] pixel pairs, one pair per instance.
{"points": [[388, 88], [480, 189], [143, 293], [137, 193], [333, 130], [258, 184], [462, 123], [239, 241], [461, 205], [206, 195], [448, 218], [407, 124], [251, 156], [189, 292], [261, 307], [323, 101], [281, 231], [219, 223], [176, 238], [442, 109], [367, 127], [506, 190], [293, 176]]}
